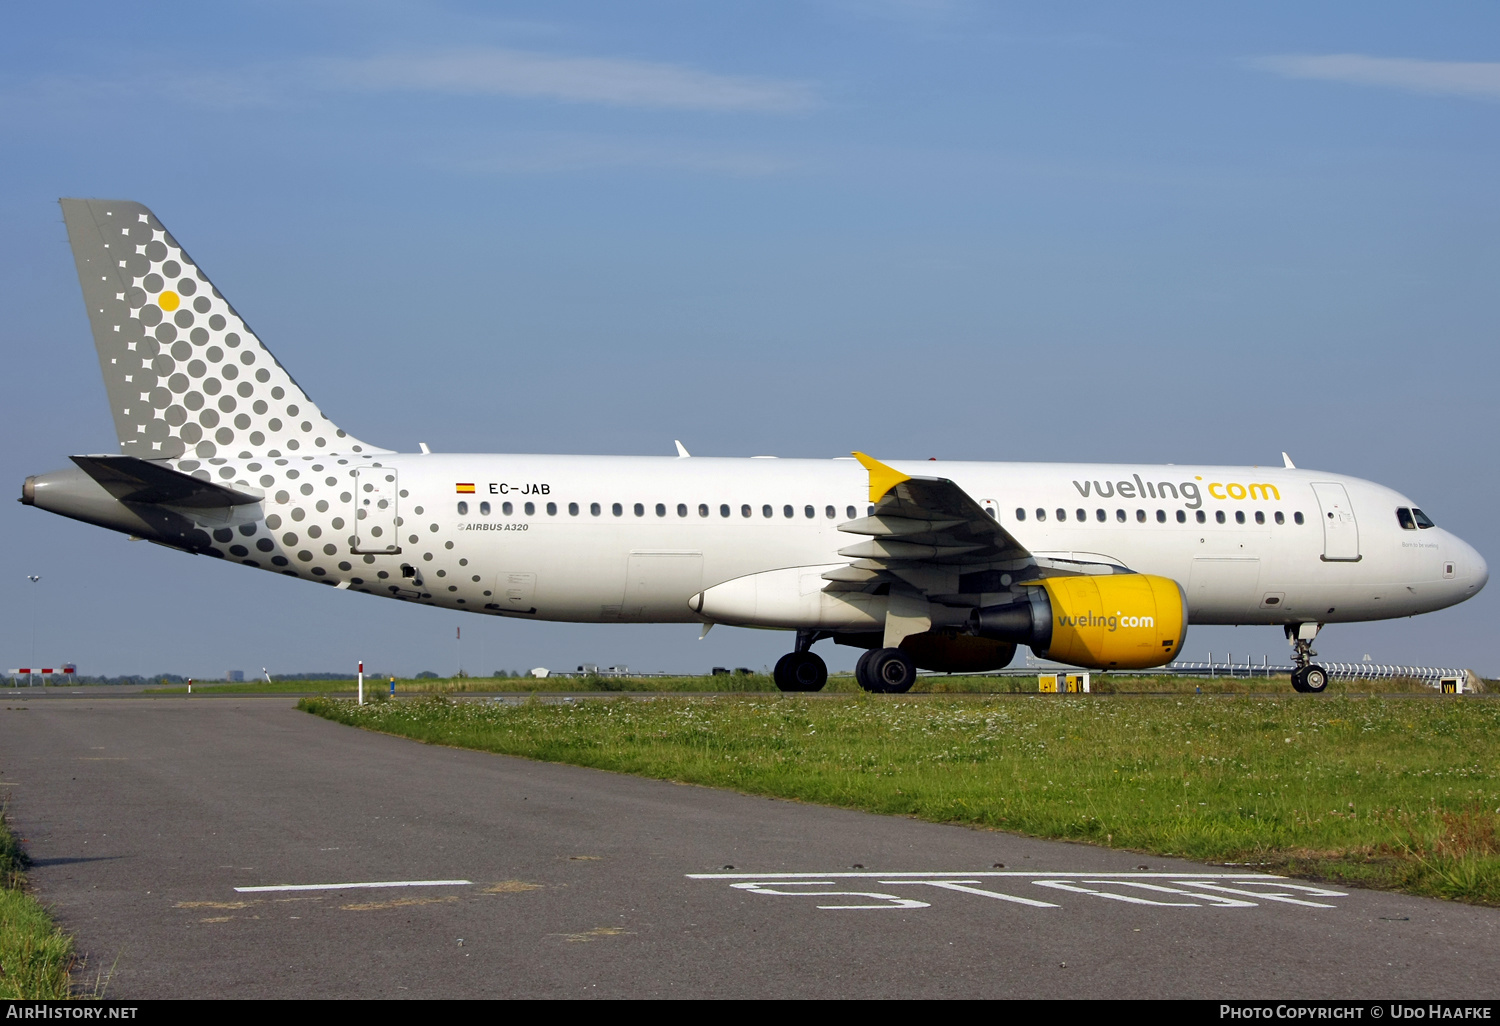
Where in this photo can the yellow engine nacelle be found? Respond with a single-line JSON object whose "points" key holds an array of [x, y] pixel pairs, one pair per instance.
{"points": [[1118, 621]]}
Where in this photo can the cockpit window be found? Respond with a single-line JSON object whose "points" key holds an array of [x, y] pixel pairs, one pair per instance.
{"points": [[1422, 519], [1403, 517]]}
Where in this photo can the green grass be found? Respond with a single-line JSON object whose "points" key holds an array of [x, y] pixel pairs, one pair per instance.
{"points": [[35, 956], [1382, 792], [469, 685], [759, 682]]}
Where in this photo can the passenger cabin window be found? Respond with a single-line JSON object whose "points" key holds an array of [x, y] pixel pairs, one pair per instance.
{"points": [[661, 509], [1423, 521], [1219, 516], [463, 509], [766, 512], [572, 509], [484, 509], [1140, 516], [1280, 517], [809, 512], [1062, 514], [1297, 518], [1120, 515], [1239, 516], [1100, 515], [640, 509], [552, 509], [530, 508], [682, 509], [724, 510], [851, 512], [1161, 516], [1182, 516], [1082, 516], [507, 508], [1260, 518], [594, 509], [1202, 517], [1020, 513], [703, 509], [788, 512], [617, 510], [745, 510], [1041, 514], [991, 511], [829, 512]]}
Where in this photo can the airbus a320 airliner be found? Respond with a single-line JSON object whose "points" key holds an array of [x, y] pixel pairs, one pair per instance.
{"points": [[1093, 565]]}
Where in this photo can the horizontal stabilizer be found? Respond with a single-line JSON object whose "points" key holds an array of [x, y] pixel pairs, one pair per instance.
{"points": [[131, 479]]}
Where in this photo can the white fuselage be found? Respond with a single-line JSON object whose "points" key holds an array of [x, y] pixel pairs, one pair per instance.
{"points": [[650, 533]]}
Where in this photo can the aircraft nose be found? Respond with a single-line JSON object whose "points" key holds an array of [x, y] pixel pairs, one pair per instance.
{"points": [[1480, 575]]}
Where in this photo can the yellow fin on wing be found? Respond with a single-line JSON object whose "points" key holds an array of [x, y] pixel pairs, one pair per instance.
{"points": [[882, 477]]}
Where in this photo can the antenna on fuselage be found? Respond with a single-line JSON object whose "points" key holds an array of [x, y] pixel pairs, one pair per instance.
{"points": [[682, 452], [1287, 461]]}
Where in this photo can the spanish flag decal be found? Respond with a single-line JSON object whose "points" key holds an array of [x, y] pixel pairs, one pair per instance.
{"points": [[465, 489]]}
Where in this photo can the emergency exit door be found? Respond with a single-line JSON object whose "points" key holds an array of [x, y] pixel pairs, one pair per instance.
{"points": [[1340, 531]]}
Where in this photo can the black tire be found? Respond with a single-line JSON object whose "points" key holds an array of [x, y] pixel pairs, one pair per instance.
{"points": [[1314, 680], [782, 674], [891, 670], [800, 671], [1297, 684], [862, 671]]}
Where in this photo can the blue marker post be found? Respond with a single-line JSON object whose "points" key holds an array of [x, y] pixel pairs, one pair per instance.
{"points": [[393, 687]]}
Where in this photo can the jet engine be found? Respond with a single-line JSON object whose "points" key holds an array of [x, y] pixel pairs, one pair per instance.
{"points": [[1115, 621]]}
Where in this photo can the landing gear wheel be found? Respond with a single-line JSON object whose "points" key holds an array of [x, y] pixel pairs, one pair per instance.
{"points": [[1314, 679], [887, 671], [859, 668], [1297, 684], [800, 671]]}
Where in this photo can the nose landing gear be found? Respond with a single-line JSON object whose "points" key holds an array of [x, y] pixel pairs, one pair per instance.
{"points": [[1308, 678]]}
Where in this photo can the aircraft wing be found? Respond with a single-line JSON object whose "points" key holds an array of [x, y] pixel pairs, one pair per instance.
{"points": [[928, 533]]}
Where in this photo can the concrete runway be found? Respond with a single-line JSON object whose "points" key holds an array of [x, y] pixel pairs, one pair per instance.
{"points": [[144, 817]]}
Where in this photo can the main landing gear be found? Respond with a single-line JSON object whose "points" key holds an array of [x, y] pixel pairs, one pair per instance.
{"points": [[887, 671], [802, 670], [1308, 678]]}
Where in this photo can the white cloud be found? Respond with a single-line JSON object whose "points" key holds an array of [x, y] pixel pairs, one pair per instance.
{"points": [[1457, 78], [612, 81]]}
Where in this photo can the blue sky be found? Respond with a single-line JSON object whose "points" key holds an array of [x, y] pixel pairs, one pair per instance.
{"points": [[1156, 232]]}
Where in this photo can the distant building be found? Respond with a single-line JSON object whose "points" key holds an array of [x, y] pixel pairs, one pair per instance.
{"points": [[235, 676]]}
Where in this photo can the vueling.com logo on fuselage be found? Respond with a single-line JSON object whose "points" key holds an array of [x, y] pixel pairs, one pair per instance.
{"points": [[1109, 623], [1187, 491]]}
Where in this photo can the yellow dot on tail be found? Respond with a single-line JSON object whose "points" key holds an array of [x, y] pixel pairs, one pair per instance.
{"points": [[168, 301]]}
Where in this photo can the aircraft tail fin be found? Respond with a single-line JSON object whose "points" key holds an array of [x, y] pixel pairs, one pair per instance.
{"points": [[185, 375]]}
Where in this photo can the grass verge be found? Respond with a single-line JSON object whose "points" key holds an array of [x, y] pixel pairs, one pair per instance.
{"points": [[1372, 791], [759, 682], [35, 956]]}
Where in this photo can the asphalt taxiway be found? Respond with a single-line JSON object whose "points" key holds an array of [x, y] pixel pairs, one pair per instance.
{"points": [[235, 847]]}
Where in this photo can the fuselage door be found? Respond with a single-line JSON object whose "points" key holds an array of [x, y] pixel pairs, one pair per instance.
{"points": [[375, 510], [1340, 532]]}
